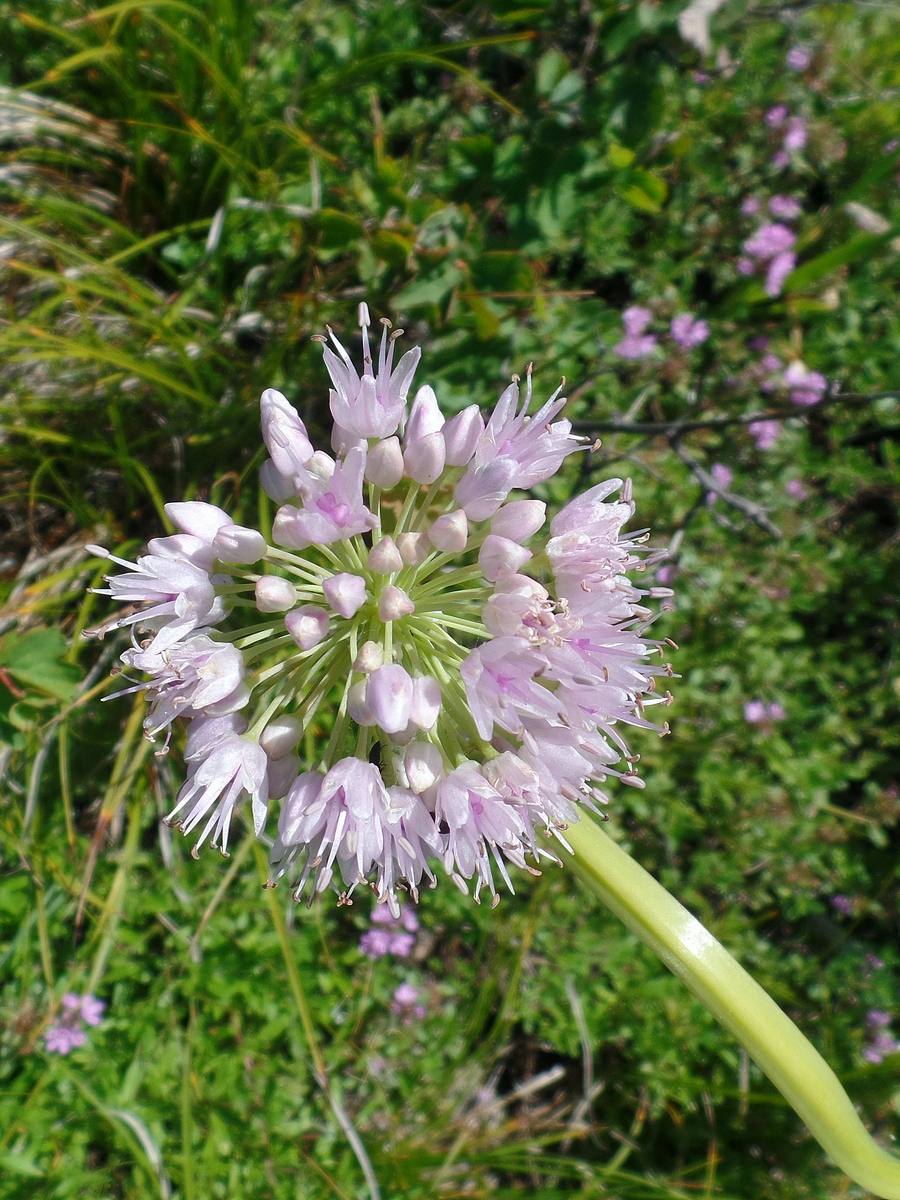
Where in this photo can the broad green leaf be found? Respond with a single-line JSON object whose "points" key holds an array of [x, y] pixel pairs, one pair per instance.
{"points": [[34, 658]]}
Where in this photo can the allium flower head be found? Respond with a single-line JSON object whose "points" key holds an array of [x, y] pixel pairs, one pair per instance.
{"points": [[464, 702]]}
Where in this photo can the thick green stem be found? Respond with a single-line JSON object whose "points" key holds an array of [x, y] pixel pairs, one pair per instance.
{"points": [[771, 1039]]}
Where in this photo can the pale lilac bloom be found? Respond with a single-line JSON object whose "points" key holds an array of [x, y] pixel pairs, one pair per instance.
{"points": [[807, 387], [843, 904], [776, 116], [882, 1043], [333, 509], [769, 241], [236, 767], [795, 138], [796, 488], [723, 475], [781, 159], [370, 406], [873, 961], [754, 712], [745, 266], [66, 1033], [751, 206], [466, 751], [765, 433], [405, 1003], [771, 362], [636, 344], [688, 331], [798, 58], [784, 208], [891, 146], [780, 268], [666, 574]]}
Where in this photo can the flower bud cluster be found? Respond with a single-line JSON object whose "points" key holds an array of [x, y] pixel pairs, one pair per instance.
{"points": [[457, 688]]}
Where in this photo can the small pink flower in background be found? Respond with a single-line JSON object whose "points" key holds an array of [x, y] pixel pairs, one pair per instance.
{"points": [[758, 713], [797, 489], [722, 475], [795, 138], [881, 1042], [873, 961], [769, 241], [394, 935], [404, 1003], [701, 77], [798, 58], [781, 159], [688, 331], [843, 904], [785, 208], [636, 344], [776, 116], [745, 266], [750, 206], [807, 387], [765, 433], [666, 574], [66, 1033], [779, 269], [891, 146], [771, 362]]}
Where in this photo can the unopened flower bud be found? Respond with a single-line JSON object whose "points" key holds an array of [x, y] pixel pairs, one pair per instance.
{"points": [[197, 518], [276, 486], [424, 459], [321, 466], [414, 548], [231, 703], [450, 533], [425, 706], [424, 766], [384, 558], [384, 463], [281, 736], [389, 692], [393, 603], [519, 520], [356, 705], [307, 625], [281, 774], [345, 593], [237, 544], [274, 594], [501, 556], [462, 434], [425, 417], [369, 658], [521, 585]]}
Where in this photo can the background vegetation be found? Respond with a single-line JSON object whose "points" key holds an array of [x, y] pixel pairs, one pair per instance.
{"points": [[190, 189]]}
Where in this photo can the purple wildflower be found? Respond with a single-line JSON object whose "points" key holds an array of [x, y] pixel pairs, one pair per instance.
{"points": [[796, 489], [769, 241], [66, 1033], [784, 208], [806, 387], [723, 475], [393, 935], [688, 331], [405, 1003], [798, 58], [843, 904], [780, 268], [745, 266], [795, 138], [636, 344], [765, 433], [751, 206], [758, 713], [776, 116], [781, 159]]}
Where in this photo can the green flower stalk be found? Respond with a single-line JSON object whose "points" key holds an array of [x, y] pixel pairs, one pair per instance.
{"points": [[737, 1001]]}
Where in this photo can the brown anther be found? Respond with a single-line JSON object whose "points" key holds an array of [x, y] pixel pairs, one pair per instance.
{"points": [[669, 699], [595, 446], [529, 369], [387, 322], [665, 729], [318, 337], [195, 853], [668, 642], [397, 333], [269, 884], [515, 378], [584, 586]]}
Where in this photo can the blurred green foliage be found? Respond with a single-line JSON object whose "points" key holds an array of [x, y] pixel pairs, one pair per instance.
{"points": [[192, 189]]}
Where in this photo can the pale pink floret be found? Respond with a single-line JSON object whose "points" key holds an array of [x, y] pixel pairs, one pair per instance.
{"points": [[287, 441], [515, 451], [372, 406], [333, 510], [180, 595], [193, 675], [235, 766], [499, 678]]}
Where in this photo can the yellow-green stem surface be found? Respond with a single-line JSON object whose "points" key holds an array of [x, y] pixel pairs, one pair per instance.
{"points": [[737, 1001]]}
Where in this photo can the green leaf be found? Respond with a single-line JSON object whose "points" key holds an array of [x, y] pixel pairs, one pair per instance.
{"points": [[551, 68], [391, 248], [21, 1164], [620, 156], [433, 290], [336, 229], [860, 247], [35, 660], [487, 323]]}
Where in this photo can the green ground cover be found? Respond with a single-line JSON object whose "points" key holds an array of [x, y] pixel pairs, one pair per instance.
{"points": [[189, 191]]}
